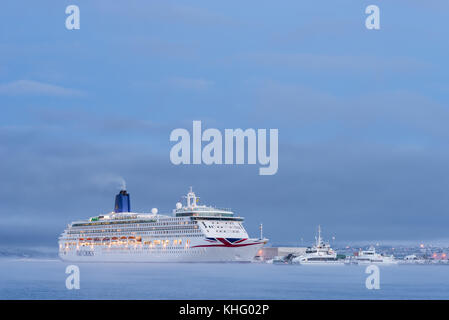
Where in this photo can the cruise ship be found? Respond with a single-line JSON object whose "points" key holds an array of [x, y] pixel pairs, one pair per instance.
{"points": [[193, 233]]}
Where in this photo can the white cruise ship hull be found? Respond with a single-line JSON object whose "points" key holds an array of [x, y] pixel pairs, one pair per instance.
{"points": [[141, 253]]}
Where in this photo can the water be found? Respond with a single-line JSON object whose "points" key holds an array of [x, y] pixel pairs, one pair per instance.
{"points": [[45, 279]]}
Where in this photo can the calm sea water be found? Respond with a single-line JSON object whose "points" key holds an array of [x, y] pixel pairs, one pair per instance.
{"points": [[45, 279]]}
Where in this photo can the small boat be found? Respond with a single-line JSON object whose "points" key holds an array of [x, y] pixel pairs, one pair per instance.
{"points": [[370, 256], [282, 259], [412, 259], [320, 253]]}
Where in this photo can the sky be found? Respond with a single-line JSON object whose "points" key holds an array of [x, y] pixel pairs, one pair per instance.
{"points": [[362, 114]]}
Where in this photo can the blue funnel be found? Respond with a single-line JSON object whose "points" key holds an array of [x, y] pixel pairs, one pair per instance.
{"points": [[122, 202]]}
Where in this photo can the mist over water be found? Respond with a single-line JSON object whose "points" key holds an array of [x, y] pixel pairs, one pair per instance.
{"points": [[45, 279]]}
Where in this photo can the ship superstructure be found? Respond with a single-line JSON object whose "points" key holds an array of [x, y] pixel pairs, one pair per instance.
{"points": [[193, 233]]}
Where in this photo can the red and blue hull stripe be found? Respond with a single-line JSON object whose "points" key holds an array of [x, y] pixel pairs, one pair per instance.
{"points": [[227, 242]]}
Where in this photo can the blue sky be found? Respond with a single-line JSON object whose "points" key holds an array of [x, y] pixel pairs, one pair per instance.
{"points": [[362, 114]]}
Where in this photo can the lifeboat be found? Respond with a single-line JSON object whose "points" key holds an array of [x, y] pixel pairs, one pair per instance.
{"points": [[114, 238], [97, 239], [131, 237], [81, 239], [89, 239], [122, 238], [105, 239]]}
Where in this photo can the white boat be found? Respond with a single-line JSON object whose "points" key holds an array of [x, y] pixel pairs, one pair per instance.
{"points": [[320, 253], [370, 256], [412, 259], [193, 233]]}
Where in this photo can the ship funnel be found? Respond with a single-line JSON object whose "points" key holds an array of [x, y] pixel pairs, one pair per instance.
{"points": [[122, 202]]}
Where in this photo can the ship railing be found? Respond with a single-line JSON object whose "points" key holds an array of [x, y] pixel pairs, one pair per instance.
{"points": [[203, 209]]}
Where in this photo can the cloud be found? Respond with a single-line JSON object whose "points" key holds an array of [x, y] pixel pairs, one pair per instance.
{"points": [[29, 87], [86, 120], [387, 115], [190, 83], [170, 13], [331, 63], [340, 184], [321, 184]]}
